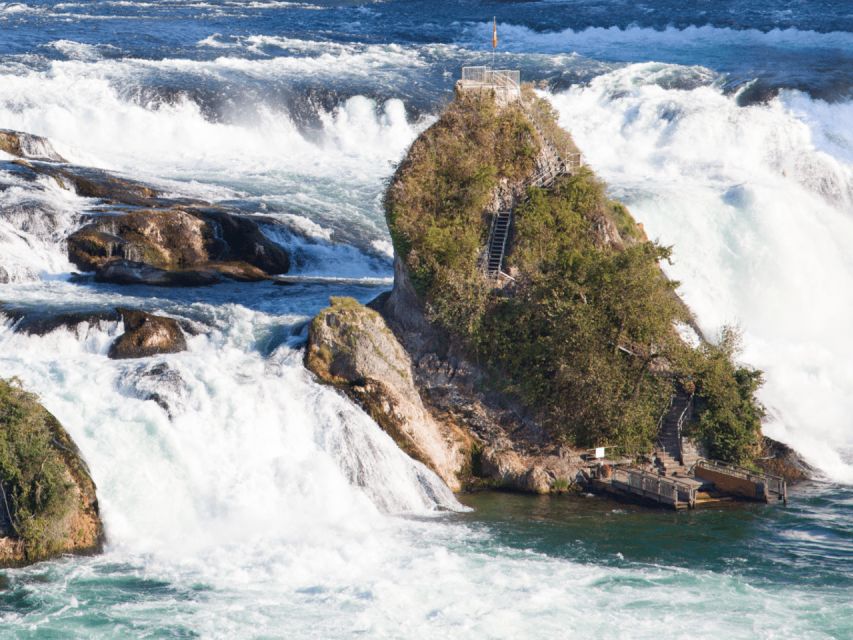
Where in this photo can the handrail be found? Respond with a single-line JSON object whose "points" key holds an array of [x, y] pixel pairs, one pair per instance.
{"points": [[680, 425], [645, 483], [774, 483]]}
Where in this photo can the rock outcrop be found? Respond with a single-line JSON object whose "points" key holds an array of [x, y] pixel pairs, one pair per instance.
{"points": [[175, 247], [779, 459], [351, 348], [135, 234], [147, 335], [48, 502], [441, 421]]}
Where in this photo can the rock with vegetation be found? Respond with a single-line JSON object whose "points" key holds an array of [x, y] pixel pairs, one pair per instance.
{"points": [[350, 347], [584, 335], [48, 504], [146, 335]]}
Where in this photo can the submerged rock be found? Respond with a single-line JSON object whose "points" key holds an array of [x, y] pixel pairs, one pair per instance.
{"points": [[48, 502], [129, 272], [147, 335], [350, 347], [158, 382], [42, 321]]}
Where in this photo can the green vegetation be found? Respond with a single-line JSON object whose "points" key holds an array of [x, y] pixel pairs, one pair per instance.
{"points": [[36, 487], [585, 334], [729, 417]]}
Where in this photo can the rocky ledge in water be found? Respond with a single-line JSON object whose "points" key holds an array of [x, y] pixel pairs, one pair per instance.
{"points": [[48, 503], [146, 335], [137, 235], [432, 413]]}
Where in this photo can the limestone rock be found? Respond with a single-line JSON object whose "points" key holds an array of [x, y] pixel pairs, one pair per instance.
{"points": [[351, 347], [48, 501], [540, 474], [147, 335]]}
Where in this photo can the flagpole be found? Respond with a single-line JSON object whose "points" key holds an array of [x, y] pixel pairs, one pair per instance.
{"points": [[494, 39]]}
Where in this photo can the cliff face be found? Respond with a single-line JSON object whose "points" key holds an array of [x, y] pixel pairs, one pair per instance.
{"points": [[350, 347], [48, 504]]}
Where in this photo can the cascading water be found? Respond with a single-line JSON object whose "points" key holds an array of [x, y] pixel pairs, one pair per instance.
{"points": [[241, 499], [758, 204]]}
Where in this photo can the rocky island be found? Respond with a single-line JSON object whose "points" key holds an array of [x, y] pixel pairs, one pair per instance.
{"points": [[505, 369]]}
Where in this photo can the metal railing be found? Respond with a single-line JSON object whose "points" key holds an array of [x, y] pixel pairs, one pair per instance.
{"points": [[509, 78], [773, 484], [655, 487]]}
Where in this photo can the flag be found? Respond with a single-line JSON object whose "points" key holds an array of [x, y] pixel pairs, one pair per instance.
{"points": [[495, 33]]}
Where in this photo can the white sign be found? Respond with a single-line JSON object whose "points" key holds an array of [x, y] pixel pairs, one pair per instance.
{"points": [[599, 452]]}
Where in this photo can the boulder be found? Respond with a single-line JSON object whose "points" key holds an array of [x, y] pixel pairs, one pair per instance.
{"points": [[351, 347], [147, 335], [48, 501], [515, 471], [205, 240]]}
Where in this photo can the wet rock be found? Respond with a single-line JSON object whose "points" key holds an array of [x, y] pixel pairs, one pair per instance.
{"points": [[43, 472], [128, 272], [239, 238], [160, 383], [209, 240], [43, 321], [350, 346], [26, 145], [147, 335]]}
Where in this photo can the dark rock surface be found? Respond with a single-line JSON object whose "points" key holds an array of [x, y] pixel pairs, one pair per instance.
{"points": [[147, 335]]}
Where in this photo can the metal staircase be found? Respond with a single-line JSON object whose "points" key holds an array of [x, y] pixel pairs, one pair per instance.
{"points": [[557, 163], [498, 236]]}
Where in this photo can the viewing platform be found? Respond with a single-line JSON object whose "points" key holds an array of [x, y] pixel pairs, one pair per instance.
{"points": [[505, 83]]}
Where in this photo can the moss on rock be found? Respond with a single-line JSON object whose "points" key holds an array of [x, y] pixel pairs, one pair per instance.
{"points": [[47, 497]]}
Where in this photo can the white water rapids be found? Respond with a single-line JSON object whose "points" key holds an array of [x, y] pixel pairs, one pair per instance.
{"points": [[269, 506]]}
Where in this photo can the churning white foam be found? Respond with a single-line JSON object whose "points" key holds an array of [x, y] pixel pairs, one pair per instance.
{"points": [[634, 40], [758, 203]]}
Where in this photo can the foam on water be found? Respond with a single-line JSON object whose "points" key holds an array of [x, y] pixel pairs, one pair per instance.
{"points": [[758, 203], [634, 40]]}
